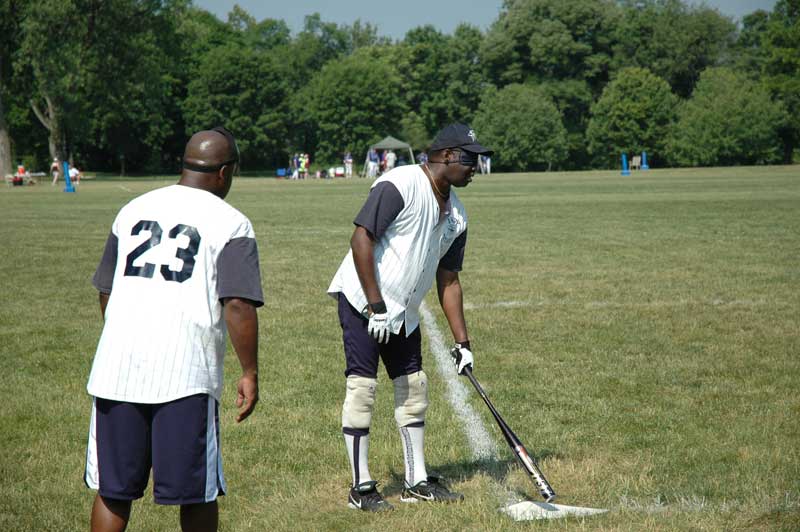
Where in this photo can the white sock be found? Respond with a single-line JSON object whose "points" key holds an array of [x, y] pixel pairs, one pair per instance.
{"points": [[413, 437], [357, 443]]}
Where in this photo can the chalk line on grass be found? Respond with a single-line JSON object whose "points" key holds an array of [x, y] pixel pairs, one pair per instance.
{"points": [[480, 441], [126, 189], [715, 302]]}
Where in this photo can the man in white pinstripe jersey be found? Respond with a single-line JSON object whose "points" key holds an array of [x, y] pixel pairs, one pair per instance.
{"points": [[411, 230], [180, 268]]}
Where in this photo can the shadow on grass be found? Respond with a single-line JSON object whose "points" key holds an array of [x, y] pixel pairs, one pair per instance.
{"points": [[497, 469]]}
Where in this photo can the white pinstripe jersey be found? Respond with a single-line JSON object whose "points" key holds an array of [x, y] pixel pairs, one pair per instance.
{"points": [[407, 255], [165, 336]]}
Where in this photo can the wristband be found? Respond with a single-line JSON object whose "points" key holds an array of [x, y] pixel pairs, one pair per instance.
{"points": [[464, 345], [378, 308]]}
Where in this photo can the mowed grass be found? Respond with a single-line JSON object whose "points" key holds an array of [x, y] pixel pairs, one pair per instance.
{"points": [[640, 334]]}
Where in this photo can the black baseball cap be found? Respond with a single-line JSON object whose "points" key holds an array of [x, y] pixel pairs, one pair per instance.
{"points": [[458, 136]]}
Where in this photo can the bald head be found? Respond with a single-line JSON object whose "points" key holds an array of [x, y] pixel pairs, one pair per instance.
{"points": [[208, 149], [209, 161]]}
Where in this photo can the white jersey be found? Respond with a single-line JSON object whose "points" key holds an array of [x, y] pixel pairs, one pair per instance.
{"points": [[407, 255], [165, 336]]}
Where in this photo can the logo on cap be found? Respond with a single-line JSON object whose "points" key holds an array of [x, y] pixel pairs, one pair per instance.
{"points": [[471, 135]]}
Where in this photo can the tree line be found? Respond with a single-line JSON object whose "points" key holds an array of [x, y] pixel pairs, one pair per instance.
{"points": [[552, 84]]}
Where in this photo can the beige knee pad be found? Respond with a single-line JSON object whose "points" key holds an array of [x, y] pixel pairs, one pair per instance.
{"points": [[358, 401], [410, 398]]}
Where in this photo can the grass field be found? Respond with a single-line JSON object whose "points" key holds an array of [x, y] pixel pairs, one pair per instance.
{"points": [[640, 334]]}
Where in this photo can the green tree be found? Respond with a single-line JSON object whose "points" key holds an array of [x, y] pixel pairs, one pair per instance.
{"points": [[100, 75], [749, 51], [633, 115], [729, 120], [673, 39], [523, 126], [133, 83], [565, 47], [538, 40], [353, 101], [261, 36], [54, 65], [442, 76], [246, 91], [9, 27], [414, 132], [781, 69]]}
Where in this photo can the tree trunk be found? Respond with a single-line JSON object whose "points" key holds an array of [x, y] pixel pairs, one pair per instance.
{"points": [[5, 143], [51, 121], [6, 164]]}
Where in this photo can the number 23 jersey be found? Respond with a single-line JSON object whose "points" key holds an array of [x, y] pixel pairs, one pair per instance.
{"points": [[172, 256]]}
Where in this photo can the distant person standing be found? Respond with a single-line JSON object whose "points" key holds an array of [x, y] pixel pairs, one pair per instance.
{"points": [[302, 166], [55, 170], [180, 270], [348, 164], [372, 163], [306, 165], [382, 161], [391, 159], [296, 166], [487, 164]]}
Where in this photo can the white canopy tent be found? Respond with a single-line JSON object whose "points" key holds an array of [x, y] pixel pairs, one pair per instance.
{"points": [[389, 143]]}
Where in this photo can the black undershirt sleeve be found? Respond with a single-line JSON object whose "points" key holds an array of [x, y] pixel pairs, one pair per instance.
{"points": [[381, 208], [453, 260], [104, 275], [238, 273]]}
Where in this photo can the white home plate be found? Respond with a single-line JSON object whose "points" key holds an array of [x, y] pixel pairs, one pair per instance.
{"points": [[529, 511]]}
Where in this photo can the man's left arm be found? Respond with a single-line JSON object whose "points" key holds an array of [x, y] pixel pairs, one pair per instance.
{"points": [[451, 298], [239, 290], [448, 287]]}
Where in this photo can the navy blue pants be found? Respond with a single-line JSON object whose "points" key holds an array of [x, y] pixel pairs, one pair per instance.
{"points": [[401, 356]]}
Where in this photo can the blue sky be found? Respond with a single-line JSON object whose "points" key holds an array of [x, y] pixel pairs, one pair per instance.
{"points": [[394, 19]]}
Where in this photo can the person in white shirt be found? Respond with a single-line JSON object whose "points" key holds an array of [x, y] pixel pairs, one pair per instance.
{"points": [[75, 175], [391, 159], [411, 230], [348, 164], [179, 270]]}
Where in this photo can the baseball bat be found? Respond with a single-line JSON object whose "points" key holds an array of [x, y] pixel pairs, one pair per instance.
{"points": [[527, 462]]}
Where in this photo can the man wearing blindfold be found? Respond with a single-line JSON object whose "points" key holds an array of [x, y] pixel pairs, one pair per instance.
{"points": [[411, 230]]}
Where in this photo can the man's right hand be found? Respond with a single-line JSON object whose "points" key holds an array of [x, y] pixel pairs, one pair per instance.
{"points": [[378, 327], [247, 395]]}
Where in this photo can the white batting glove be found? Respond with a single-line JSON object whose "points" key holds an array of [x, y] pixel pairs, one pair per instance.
{"points": [[378, 326], [462, 357]]}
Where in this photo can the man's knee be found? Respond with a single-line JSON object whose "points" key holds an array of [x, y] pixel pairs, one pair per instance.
{"points": [[358, 402], [410, 398]]}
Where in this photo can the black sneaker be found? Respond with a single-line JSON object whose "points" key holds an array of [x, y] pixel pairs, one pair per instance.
{"points": [[432, 489], [365, 497]]}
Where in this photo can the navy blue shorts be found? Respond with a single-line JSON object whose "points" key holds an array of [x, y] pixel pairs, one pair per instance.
{"points": [[401, 356], [179, 440]]}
